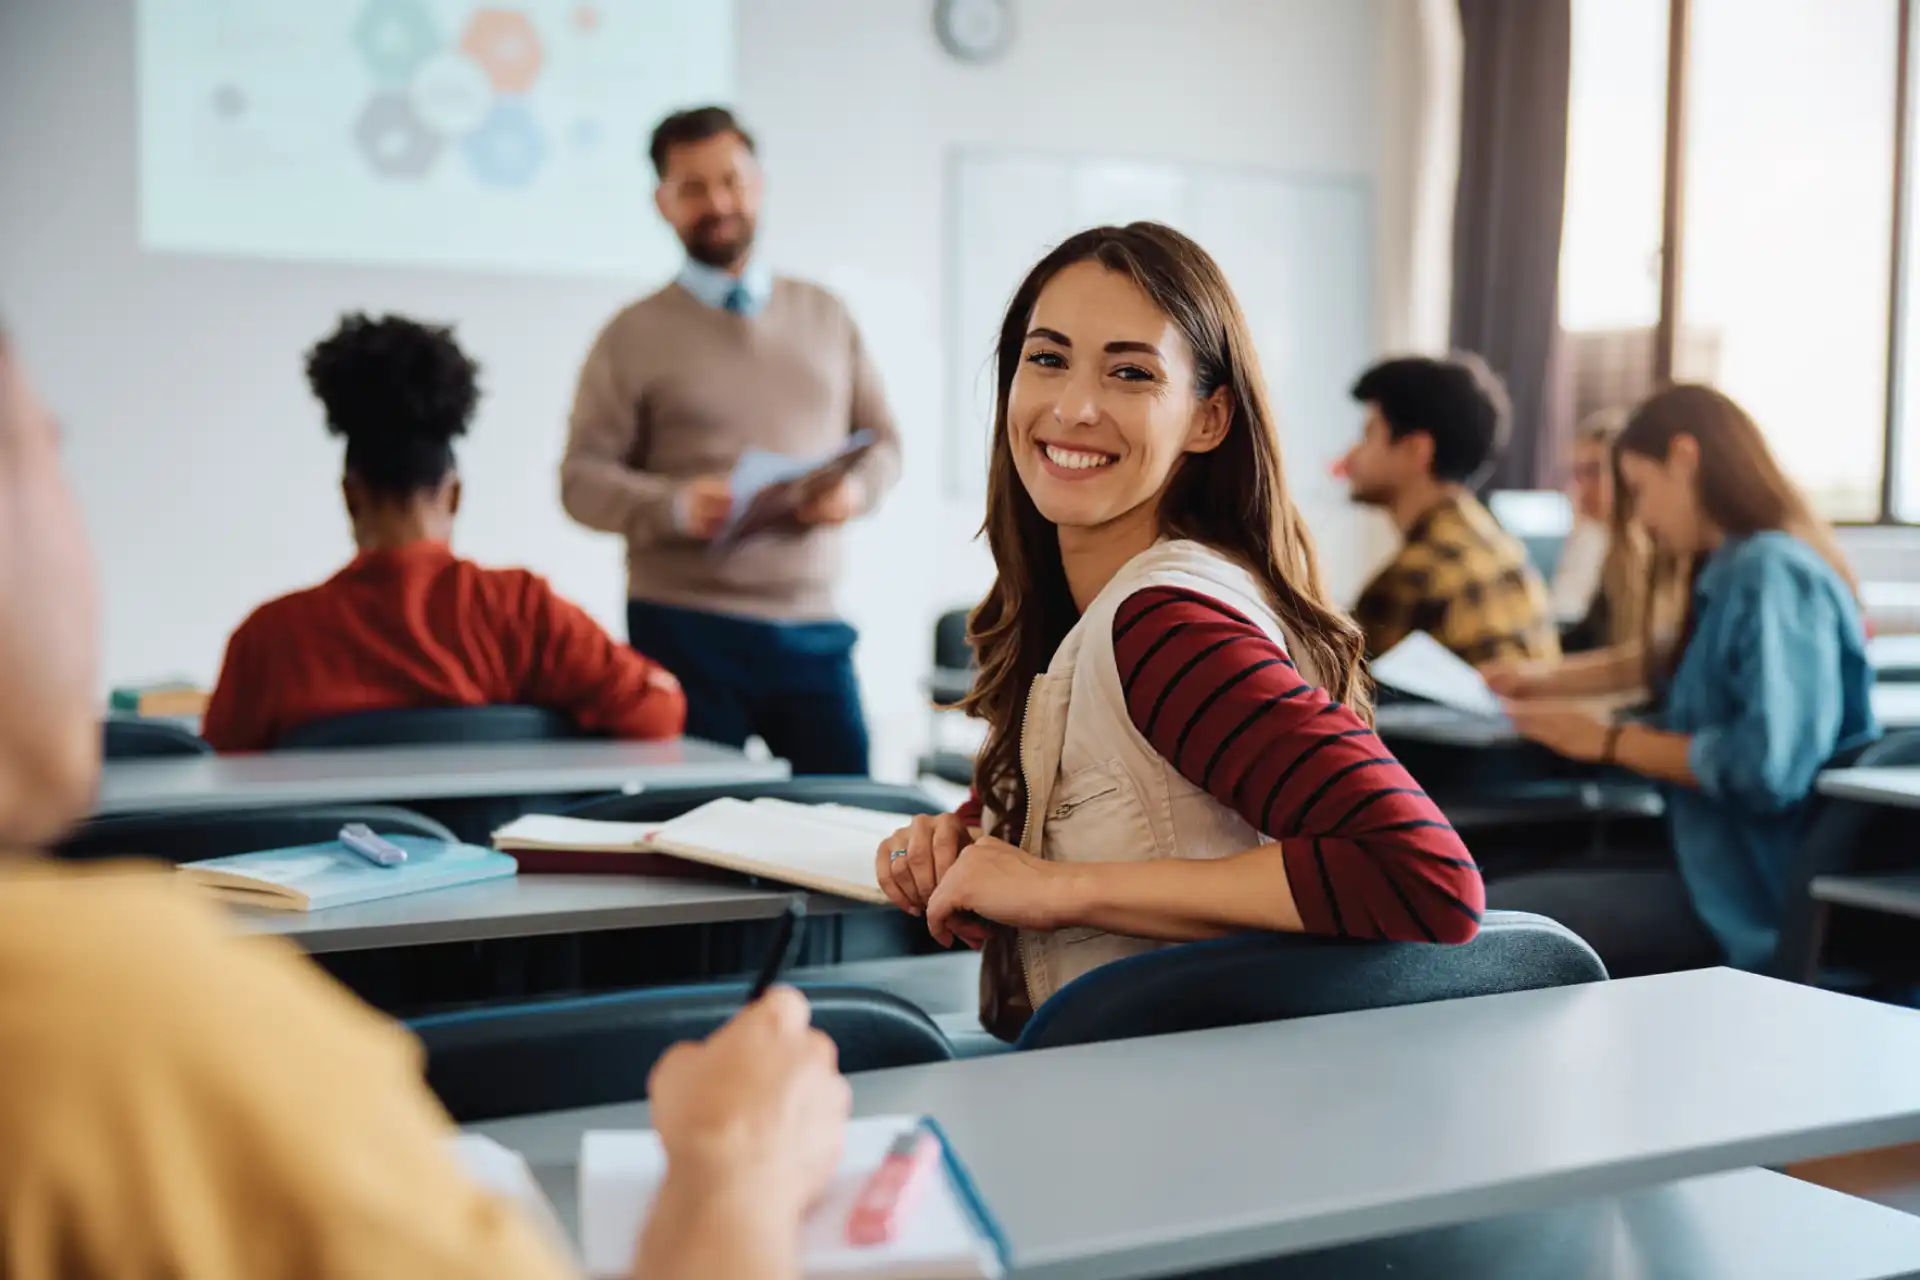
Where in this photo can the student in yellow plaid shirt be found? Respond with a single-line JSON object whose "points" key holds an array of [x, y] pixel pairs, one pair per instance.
{"points": [[1432, 428]]}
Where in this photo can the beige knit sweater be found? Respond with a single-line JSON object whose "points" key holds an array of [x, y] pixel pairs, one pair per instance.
{"points": [[675, 389]]}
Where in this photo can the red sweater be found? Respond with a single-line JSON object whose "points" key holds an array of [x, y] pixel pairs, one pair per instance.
{"points": [[1368, 855], [419, 627]]}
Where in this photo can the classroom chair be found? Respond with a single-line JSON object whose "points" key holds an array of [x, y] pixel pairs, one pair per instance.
{"points": [[1842, 837], [414, 726], [951, 678], [1269, 977], [189, 837], [511, 1060], [473, 819], [124, 738], [861, 793]]}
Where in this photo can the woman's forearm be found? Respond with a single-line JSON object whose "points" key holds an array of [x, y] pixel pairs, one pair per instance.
{"points": [[1183, 899], [1655, 753], [1591, 675]]}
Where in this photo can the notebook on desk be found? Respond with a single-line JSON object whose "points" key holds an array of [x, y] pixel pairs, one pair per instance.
{"points": [[317, 876], [947, 1232], [827, 848]]}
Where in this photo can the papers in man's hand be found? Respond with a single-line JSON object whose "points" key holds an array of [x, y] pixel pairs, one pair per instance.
{"points": [[769, 488], [1425, 668], [946, 1232]]}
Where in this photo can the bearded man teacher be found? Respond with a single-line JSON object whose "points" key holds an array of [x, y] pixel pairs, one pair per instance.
{"points": [[729, 358]]}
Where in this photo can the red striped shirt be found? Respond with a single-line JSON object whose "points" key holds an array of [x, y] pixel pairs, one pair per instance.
{"points": [[1368, 854]]}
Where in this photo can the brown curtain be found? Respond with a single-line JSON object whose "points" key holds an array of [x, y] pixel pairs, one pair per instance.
{"points": [[1516, 65]]}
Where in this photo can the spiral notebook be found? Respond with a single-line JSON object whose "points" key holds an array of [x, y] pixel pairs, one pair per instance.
{"points": [[948, 1233]]}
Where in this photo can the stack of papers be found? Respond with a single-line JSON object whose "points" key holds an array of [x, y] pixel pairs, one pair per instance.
{"points": [[1425, 668]]}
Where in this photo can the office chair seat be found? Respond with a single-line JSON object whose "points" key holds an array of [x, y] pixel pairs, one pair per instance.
{"points": [[591, 1050], [1268, 977]]}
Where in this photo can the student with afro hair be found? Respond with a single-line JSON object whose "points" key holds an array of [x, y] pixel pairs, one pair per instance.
{"points": [[407, 623]]}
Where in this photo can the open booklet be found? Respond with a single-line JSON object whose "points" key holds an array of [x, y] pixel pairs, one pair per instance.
{"points": [[826, 847], [768, 488], [946, 1231], [1425, 668]]}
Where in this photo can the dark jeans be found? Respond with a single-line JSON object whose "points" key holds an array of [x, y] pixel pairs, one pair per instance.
{"points": [[1640, 919], [790, 683]]}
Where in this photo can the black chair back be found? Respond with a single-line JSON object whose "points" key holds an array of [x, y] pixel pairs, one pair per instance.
{"points": [[473, 819], [862, 793], [414, 726], [129, 739], [1269, 977], [1842, 837], [591, 1050], [189, 837], [950, 648]]}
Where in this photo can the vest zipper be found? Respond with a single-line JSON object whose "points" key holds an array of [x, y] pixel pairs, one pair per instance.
{"points": [[1026, 828]]}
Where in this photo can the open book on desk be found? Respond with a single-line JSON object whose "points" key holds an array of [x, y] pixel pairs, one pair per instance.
{"points": [[826, 847], [946, 1232]]}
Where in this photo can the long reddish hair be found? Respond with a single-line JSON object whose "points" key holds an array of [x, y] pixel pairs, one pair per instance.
{"points": [[1233, 499]]}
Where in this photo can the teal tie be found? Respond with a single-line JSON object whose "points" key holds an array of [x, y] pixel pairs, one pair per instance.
{"points": [[739, 301]]}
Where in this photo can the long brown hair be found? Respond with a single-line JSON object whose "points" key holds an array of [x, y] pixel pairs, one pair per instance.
{"points": [[1644, 586], [1742, 489], [1233, 499]]}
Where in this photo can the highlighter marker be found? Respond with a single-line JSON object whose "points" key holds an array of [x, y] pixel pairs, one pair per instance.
{"points": [[889, 1194]]}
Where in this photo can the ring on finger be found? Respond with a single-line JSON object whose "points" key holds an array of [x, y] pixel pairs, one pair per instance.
{"points": [[895, 856]]}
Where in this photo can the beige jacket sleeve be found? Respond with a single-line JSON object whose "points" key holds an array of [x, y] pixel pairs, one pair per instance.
{"points": [[599, 486], [880, 469]]}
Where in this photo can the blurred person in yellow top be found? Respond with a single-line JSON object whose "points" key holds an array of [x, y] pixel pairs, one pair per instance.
{"points": [[176, 1100]]}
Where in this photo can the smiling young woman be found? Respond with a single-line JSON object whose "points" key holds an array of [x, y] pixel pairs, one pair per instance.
{"points": [[1177, 739]]}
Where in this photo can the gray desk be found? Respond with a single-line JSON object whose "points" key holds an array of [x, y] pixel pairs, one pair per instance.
{"points": [[1193, 1151], [527, 906], [1898, 787], [1895, 657], [1897, 705], [382, 774], [1894, 895]]}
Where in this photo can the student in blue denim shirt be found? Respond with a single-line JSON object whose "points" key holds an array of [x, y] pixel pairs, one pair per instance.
{"points": [[1768, 682]]}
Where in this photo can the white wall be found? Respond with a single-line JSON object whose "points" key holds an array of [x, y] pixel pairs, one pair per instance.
{"points": [[208, 480]]}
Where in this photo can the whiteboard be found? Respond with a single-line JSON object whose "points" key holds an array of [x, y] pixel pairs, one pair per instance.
{"points": [[1296, 249]]}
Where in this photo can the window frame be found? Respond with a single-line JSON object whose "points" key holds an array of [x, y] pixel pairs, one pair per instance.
{"points": [[1673, 240]]}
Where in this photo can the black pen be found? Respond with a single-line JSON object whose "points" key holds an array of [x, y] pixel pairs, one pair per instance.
{"points": [[784, 949]]}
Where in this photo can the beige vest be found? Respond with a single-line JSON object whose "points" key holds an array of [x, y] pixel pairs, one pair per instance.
{"points": [[1097, 791]]}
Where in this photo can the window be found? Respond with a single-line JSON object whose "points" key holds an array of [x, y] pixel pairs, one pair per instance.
{"points": [[1783, 114]]}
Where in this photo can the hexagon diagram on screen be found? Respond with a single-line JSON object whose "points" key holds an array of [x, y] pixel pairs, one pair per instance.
{"points": [[393, 137], [506, 150], [395, 37], [505, 43]]}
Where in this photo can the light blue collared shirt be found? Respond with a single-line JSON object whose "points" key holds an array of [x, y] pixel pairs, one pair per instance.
{"points": [[1773, 684], [713, 286]]}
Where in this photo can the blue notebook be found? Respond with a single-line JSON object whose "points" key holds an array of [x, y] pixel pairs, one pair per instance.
{"points": [[316, 876]]}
